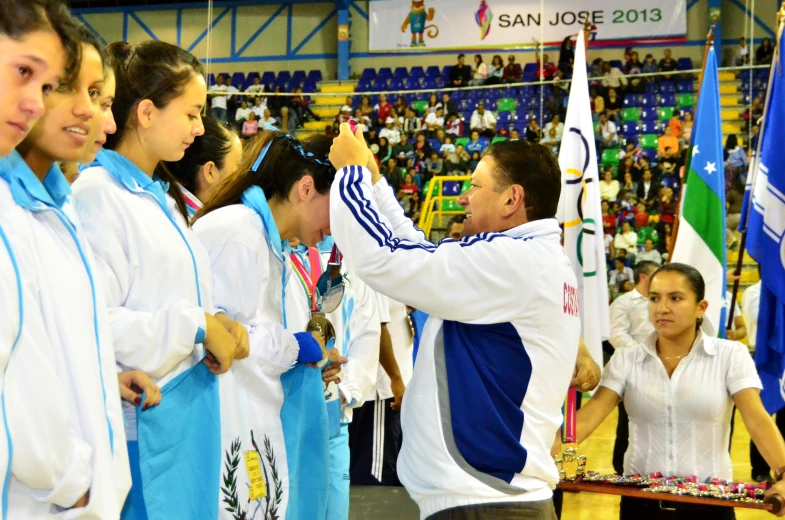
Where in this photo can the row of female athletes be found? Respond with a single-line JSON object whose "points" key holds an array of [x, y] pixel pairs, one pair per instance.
{"points": [[107, 293]]}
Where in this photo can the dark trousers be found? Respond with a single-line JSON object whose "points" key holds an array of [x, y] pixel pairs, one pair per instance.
{"points": [[759, 466], [375, 440], [542, 510], [622, 440], [643, 509]]}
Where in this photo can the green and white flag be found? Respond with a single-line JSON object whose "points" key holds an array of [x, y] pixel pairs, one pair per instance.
{"points": [[701, 235], [580, 211]]}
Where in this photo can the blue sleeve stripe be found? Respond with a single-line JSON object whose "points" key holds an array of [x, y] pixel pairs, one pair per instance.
{"points": [[201, 335]]}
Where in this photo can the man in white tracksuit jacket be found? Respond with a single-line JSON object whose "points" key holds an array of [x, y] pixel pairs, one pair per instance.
{"points": [[497, 353]]}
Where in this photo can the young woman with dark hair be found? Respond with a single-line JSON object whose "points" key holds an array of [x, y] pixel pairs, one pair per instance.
{"points": [[679, 388], [212, 158], [157, 279], [282, 193]]}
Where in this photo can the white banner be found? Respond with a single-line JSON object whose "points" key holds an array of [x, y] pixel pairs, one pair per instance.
{"points": [[395, 25]]}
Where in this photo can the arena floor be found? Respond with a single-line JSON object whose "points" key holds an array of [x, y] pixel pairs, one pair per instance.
{"points": [[394, 503]]}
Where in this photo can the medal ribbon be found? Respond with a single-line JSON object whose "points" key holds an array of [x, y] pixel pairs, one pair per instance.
{"points": [[570, 411]]}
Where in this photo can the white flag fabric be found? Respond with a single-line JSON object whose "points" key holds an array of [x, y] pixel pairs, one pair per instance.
{"points": [[580, 211]]}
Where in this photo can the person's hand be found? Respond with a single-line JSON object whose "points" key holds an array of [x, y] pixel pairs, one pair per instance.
{"points": [[220, 346], [373, 167], [398, 388], [733, 335], [332, 373], [586, 376], [134, 383], [348, 149], [82, 502], [238, 332], [778, 489]]}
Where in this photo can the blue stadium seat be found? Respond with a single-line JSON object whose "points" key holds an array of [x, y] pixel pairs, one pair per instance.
{"points": [[485, 142], [412, 83], [268, 77], [446, 71], [410, 98], [400, 73], [432, 72], [299, 75], [451, 188], [238, 80], [417, 72], [467, 115], [651, 153], [618, 64], [650, 127], [648, 100], [492, 93], [211, 79], [529, 76], [670, 182], [309, 87], [367, 74], [316, 75], [384, 72], [379, 84], [649, 114], [530, 67], [429, 83], [667, 87], [668, 100], [632, 100], [684, 87], [652, 88], [630, 129], [684, 64], [395, 84], [504, 118], [283, 75], [520, 126], [435, 144], [364, 85], [490, 104], [762, 75], [293, 84]]}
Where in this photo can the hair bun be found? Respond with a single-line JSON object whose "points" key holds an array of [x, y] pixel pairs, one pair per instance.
{"points": [[119, 51]]}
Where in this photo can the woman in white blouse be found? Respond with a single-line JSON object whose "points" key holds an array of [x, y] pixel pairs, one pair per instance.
{"points": [[609, 187], [480, 73], [626, 239], [679, 387]]}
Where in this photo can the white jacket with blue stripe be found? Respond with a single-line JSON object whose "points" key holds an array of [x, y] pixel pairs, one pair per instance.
{"points": [[496, 356]]}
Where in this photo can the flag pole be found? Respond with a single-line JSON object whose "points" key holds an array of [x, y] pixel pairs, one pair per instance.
{"points": [[677, 216], [754, 168]]}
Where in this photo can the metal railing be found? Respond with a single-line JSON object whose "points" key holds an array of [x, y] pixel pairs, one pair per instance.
{"points": [[428, 212]]}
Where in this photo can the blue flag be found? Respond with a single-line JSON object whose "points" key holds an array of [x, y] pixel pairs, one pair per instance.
{"points": [[765, 234]]}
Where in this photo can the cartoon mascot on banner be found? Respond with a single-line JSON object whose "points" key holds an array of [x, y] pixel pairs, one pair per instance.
{"points": [[416, 20]]}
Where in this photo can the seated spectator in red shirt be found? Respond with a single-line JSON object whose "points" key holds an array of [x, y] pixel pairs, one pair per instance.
{"points": [[454, 126], [641, 216], [608, 219], [383, 109], [512, 72], [546, 68]]}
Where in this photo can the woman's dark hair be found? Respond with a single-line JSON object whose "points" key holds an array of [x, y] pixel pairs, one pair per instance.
{"points": [[532, 166], [286, 162], [153, 70], [18, 18], [692, 275], [495, 58], [732, 142], [214, 145], [87, 37], [478, 57]]}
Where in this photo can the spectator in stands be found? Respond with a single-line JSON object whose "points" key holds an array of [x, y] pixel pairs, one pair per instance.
{"points": [[450, 107], [628, 53], [385, 148], [435, 121], [669, 163], [545, 68], [300, 108], [455, 227], [649, 254], [365, 106], [736, 163], [420, 162], [343, 116], [619, 274], [552, 139], [267, 118], [447, 147], [667, 205], [440, 135], [474, 144], [512, 72], [398, 117], [666, 238], [648, 189], [633, 67], [279, 106], [483, 121], [621, 254], [495, 71], [667, 64], [609, 187], [383, 110], [422, 144], [515, 135], [631, 150], [454, 125], [403, 152], [667, 140], [259, 107], [348, 105], [606, 133], [612, 78], [373, 136], [242, 113], [392, 172], [628, 184], [411, 124], [626, 239], [533, 131], [457, 163], [733, 201], [218, 101], [566, 55], [556, 101], [650, 67], [435, 165], [597, 103], [256, 87], [742, 54], [475, 160], [408, 186], [557, 125], [362, 122], [433, 104], [644, 163], [613, 104], [686, 130], [480, 72], [251, 126], [753, 114], [608, 217], [460, 73], [400, 105], [765, 53], [232, 101], [676, 125]]}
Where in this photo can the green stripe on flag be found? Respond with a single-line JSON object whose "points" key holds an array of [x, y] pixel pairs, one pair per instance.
{"points": [[703, 210]]}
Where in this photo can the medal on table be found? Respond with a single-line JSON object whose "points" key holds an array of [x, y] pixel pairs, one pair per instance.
{"points": [[569, 462]]}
